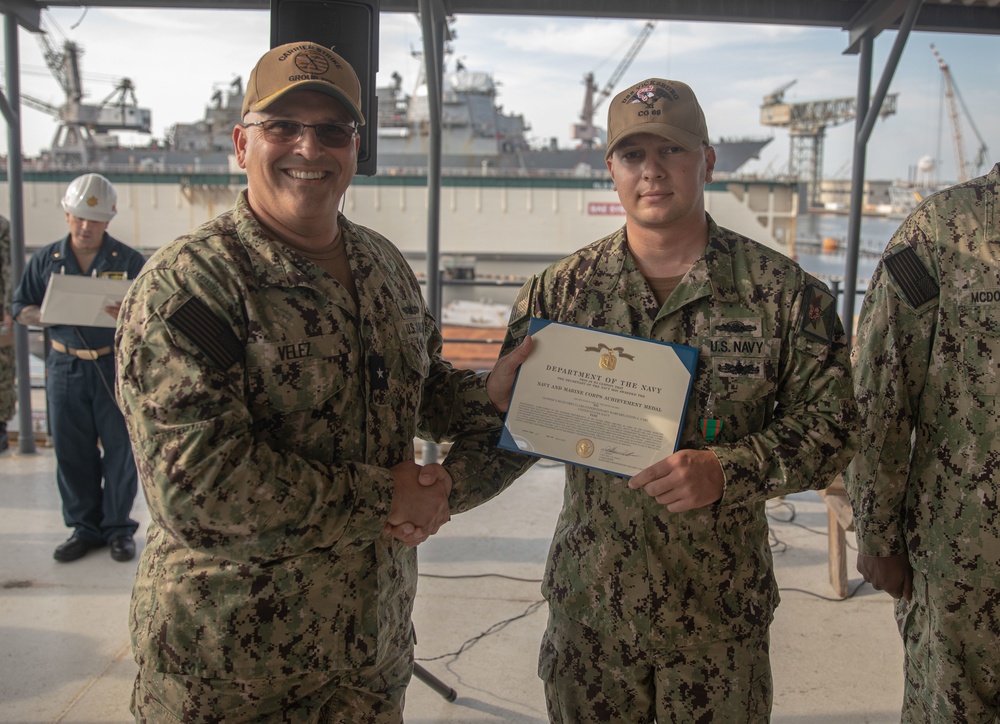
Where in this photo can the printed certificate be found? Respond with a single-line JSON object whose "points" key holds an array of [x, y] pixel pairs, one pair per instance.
{"points": [[599, 399], [80, 300]]}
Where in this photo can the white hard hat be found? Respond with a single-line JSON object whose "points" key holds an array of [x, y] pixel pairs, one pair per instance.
{"points": [[90, 197]]}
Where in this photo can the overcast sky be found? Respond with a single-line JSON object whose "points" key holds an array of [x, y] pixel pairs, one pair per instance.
{"points": [[177, 58]]}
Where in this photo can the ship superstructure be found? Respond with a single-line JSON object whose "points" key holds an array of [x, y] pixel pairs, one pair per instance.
{"points": [[477, 135], [504, 199]]}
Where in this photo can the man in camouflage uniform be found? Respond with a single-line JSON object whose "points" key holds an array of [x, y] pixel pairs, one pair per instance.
{"points": [[924, 485], [8, 394], [660, 587], [275, 366]]}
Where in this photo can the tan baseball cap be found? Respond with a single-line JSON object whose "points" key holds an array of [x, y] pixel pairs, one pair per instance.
{"points": [[302, 65], [666, 108]]}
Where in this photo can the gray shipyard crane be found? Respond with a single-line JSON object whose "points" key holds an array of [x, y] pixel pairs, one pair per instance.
{"points": [[807, 123], [585, 132], [84, 127], [966, 170]]}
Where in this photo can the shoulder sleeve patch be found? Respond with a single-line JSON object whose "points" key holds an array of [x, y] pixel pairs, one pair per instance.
{"points": [[207, 332], [819, 321], [912, 277], [522, 305]]}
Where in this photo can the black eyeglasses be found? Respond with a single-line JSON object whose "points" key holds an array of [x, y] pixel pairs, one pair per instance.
{"points": [[331, 135]]}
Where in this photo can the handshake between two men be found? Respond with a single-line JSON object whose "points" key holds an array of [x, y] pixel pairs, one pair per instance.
{"points": [[420, 494]]}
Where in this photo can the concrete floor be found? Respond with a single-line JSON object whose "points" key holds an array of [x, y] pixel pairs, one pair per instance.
{"points": [[64, 645]]}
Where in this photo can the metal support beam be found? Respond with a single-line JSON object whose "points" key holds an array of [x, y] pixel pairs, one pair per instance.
{"points": [[872, 20], [15, 183], [866, 117], [432, 22], [857, 188], [27, 12], [790, 12], [947, 17]]}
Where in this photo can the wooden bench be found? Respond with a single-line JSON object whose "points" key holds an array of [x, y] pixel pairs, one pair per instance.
{"points": [[840, 520]]}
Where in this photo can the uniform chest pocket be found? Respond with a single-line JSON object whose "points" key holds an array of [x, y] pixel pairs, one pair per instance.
{"points": [[407, 366], [416, 358], [741, 379], [743, 404], [291, 376], [981, 348], [736, 389]]}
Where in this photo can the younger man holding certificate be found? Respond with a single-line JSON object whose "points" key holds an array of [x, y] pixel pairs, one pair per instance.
{"points": [[660, 587]]}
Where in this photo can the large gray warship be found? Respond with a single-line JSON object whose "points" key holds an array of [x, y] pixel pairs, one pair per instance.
{"points": [[478, 137], [508, 203]]}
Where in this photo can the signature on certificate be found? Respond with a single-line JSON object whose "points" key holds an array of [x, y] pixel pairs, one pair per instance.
{"points": [[615, 451]]}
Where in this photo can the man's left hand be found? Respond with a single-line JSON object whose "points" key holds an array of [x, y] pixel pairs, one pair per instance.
{"points": [[686, 480], [892, 574], [500, 383]]}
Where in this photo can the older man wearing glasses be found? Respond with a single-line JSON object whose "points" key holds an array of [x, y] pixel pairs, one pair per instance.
{"points": [[275, 367]]}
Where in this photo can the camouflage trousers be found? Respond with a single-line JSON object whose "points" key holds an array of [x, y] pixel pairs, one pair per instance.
{"points": [[8, 392], [590, 678], [361, 696], [950, 635]]}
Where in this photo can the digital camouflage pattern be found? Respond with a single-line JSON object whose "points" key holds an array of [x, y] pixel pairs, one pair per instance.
{"points": [[773, 367], [370, 695], [592, 679], [925, 481], [949, 632], [263, 450], [8, 393], [927, 366]]}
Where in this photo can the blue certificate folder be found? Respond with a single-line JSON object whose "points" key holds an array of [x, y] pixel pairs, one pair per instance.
{"points": [[599, 399]]}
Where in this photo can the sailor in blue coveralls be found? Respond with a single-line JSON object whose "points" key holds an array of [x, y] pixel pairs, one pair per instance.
{"points": [[94, 465]]}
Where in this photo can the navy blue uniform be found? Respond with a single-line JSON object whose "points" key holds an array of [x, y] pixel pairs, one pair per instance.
{"points": [[83, 414]]}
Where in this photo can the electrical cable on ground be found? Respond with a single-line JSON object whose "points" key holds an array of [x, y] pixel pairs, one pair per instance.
{"points": [[481, 575], [498, 626], [777, 545], [826, 598], [791, 521]]}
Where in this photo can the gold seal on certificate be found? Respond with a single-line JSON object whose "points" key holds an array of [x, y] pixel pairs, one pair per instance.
{"points": [[599, 399], [609, 357]]}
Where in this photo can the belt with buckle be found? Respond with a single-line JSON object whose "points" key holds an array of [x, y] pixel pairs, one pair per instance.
{"points": [[81, 353]]}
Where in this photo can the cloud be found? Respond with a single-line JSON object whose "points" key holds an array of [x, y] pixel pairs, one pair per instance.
{"points": [[539, 63]]}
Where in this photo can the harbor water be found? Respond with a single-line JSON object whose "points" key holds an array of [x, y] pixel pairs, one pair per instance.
{"points": [[831, 267], [875, 234]]}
